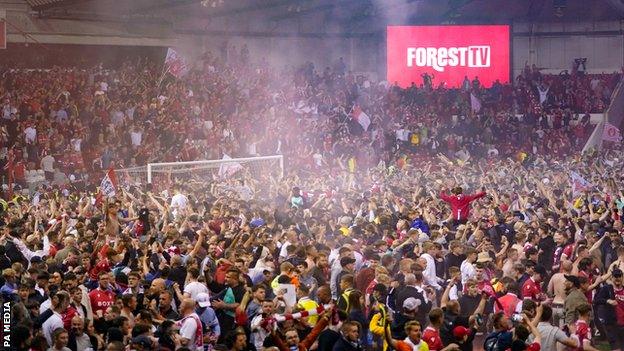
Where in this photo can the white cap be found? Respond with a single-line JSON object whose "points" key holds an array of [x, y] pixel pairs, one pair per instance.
{"points": [[203, 300], [411, 303]]}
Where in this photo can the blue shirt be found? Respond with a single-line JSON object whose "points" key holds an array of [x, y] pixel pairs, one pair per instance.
{"points": [[209, 320], [8, 289], [420, 224]]}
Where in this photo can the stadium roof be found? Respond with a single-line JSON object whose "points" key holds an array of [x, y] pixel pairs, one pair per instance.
{"points": [[347, 14]]}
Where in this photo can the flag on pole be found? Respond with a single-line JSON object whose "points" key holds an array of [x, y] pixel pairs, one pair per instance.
{"points": [[611, 133], [579, 184], [108, 186], [176, 64], [9, 168], [475, 103], [359, 116]]}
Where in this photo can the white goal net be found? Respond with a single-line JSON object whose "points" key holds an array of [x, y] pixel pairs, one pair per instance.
{"points": [[160, 175]]}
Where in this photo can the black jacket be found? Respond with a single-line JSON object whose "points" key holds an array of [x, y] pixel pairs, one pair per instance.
{"points": [[344, 345], [605, 312], [327, 339], [403, 293]]}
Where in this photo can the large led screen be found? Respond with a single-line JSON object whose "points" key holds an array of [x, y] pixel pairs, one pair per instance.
{"points": [[448, 54]]}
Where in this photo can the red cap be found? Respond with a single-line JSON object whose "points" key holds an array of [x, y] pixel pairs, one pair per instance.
{"points": [[534, 347], [459, 332]]}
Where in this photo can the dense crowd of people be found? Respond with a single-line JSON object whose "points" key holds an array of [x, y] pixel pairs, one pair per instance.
{"points": [[438, 227], [62, 126]]}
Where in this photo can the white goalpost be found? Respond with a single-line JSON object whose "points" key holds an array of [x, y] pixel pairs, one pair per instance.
{"points": [[205, 169]]}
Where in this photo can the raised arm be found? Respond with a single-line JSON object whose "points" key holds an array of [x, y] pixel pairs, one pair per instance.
{"points": [[316, 331], [476, 196], [392, 342], [444, 196]]}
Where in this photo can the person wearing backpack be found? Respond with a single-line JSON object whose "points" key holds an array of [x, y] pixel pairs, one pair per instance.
{"points": [[502, 337], [51, 319]]}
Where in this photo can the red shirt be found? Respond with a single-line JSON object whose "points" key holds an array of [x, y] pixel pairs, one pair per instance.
{"points": [[102, 266], [67, 316], [432, 338], [582, 333], [531, 289], [509, 302], [460, 204], [619, 309], [101, 299]]}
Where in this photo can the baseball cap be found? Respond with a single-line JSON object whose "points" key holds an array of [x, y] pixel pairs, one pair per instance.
{"points": [[460, 331], [203, 299], [574, 279], [411, 304]]}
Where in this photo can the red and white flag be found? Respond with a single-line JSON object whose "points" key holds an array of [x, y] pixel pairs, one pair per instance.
{"points": [[579, 184], [611, 133], [108, 186], [475, 103], [176, 64], [359, 116]]}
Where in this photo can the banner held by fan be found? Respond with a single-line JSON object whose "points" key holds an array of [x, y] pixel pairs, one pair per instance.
{"points": [[611, 133], [475, 103], [362, 118], [175, 64], [579, 184], [108, 187]]}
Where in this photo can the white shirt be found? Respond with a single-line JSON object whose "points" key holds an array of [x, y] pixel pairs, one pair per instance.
{"points": [[45, 305], [318, 159], [188, 331], [178, 202], [30, 134], [258, 334], [28, 253], [402, 134], [429, 274], [77, 144], [50, 325], [47, 163], [194, 289], [136, 138], [283, 252], [467, 271], [7, 110]]}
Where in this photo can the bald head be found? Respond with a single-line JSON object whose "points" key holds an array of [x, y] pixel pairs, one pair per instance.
{"points": [[187, 306], [77, 324], [324, 294], [158, 286]]}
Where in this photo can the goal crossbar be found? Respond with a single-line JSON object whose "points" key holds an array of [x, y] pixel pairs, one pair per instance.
{"points": [[151, 166]]}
